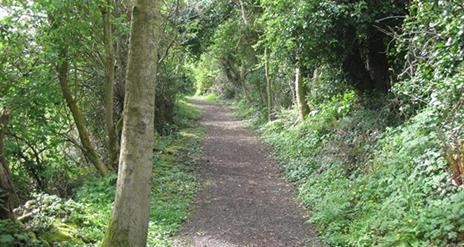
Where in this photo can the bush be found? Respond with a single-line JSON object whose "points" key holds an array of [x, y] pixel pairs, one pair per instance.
{"points": [[13, 233], [368, 180]]}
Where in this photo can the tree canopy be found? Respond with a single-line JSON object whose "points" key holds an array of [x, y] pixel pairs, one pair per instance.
{"points": [[362, 101]]}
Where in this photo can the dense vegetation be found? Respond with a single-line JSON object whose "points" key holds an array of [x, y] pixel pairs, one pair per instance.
{"points": [[63, 86], [362, 100], [81, 220]]}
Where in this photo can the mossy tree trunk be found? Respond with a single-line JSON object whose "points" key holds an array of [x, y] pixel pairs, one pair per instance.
{"points": [[300, 91], [63, 77], [129, 223]]}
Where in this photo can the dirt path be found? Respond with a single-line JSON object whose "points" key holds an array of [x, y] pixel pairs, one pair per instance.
{"points": [[244, 201]]}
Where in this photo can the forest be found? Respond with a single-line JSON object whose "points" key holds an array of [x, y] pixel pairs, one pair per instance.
{"points": [[231, 123]]}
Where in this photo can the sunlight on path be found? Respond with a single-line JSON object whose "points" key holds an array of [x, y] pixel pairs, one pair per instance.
{"points": [[244, 202]]}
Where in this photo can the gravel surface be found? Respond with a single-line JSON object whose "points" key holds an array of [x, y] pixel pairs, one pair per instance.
{"points": [[244, 200]]}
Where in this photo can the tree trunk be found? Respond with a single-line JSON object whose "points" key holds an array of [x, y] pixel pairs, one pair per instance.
{"points": [[8, 194], [377, 61], [109, 84], [303, 108], [367, 65], [291, 85], [242, 82], [120, 11], [89, 151], [268, 87], [129, 223]]}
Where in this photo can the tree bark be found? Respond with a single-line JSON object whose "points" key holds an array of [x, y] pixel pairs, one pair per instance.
{"points": [[242, 82], [89, 151], [303, 108], [113, 142], [268, 87], [121, 47], [129, 223], [8, 194], [291, 85]]}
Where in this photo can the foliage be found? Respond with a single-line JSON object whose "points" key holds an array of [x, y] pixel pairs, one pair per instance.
{"points": [[310, 34], [204, 74], [431, 43], [211, 97], [365, 187], [14, 233], [372, 165], [42, 144], [173, 190], [82, 220], [66, 203], [38, 126], [384, 83]]}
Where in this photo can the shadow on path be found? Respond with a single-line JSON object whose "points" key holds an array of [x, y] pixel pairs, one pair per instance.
{"points": [[244, 201]]}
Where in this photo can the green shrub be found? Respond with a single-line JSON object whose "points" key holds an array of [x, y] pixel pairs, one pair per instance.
{"points": [[82, 220], [13, 233], [368, 180]]}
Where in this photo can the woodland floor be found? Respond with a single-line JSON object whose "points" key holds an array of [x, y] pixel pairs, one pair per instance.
{"points": [[244, 200]]}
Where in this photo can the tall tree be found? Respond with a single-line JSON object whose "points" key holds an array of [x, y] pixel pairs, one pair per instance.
{"points": [[8, 197], [303, 108], [129, 223], [268, 86], [65, 49], [113, 142], [63, 77]]}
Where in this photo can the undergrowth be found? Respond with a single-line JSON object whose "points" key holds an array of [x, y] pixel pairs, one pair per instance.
{"points": [[82, 220], [210, 97], [368, 178]]}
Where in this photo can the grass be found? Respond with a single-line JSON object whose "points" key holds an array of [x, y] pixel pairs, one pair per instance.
{"points": [[175, 184], [210, 97], [186, 113], [82, 220]]}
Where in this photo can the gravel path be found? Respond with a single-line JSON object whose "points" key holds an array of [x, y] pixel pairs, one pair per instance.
{"points": [[244, 200]]}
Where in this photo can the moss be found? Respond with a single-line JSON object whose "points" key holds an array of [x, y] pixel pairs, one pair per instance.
{"points": [[167, 158], [186, 111], [173, 149], [62, 233], [115, 237]]}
